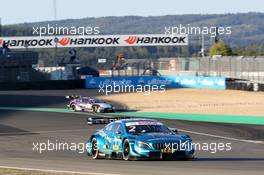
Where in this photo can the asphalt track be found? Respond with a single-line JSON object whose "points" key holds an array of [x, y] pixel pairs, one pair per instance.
{"points": [[20, 129]]}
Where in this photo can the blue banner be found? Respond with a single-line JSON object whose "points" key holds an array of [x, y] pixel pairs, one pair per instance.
{"points": [[166, 81]]}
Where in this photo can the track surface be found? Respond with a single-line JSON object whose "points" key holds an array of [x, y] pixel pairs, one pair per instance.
{"points": [[19, 129]]}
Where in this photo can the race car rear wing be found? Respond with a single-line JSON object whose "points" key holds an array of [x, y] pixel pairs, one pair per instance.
{"points": [[103, 120], [72, 97]]}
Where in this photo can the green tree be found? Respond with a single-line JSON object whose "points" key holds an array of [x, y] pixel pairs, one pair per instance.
{"points": [[220, 48]]}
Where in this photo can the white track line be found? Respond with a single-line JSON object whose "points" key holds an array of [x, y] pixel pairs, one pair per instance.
{"points": [[55, 171], [222, 137]]}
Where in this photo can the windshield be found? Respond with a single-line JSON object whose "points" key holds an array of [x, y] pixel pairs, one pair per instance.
{"points": [[140, 128], [86, 100], [96, 101]]}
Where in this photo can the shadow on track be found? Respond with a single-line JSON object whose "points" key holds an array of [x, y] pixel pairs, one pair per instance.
{"points": [[39, 101], [230, 159], [6, 130]]}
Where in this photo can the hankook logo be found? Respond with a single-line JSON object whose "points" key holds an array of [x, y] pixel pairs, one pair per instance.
{"points": [[64, 41], [131, 39], [94, 41]]}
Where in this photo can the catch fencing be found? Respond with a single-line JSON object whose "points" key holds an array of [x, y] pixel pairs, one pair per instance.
{"points": [[237, 67]]}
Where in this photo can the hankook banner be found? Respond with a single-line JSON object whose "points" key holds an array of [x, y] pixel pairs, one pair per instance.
{"points": [[93, 41]]}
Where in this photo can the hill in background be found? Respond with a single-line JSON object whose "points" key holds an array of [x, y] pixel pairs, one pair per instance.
{"points": [[246, 27], [247, 33]]}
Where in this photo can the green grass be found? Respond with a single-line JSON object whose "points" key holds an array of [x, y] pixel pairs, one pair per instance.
{"points": [[257, 120]]}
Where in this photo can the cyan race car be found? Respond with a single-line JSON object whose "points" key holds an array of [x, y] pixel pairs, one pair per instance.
{"points": [[133, 139]]}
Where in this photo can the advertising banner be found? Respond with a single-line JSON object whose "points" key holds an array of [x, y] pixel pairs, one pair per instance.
{"points": [[93, 41], [166, 81]]}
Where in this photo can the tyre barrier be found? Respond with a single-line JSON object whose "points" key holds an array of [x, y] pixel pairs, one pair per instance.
{"points": [[244, 85]]}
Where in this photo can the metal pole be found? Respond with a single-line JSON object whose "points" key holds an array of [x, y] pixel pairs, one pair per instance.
{"points": [[56, 39], [202, 49], [55, 9], [248, 67], [258, 64], [254, 69], [230, 66], [242, 67], [219, 67], [209, 66], [199, 67]]}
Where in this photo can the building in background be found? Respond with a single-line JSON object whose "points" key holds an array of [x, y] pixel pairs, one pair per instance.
{"points": [[17, 66]]}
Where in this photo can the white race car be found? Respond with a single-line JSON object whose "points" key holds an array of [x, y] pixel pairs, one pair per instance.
{"points": [[90, 104]]}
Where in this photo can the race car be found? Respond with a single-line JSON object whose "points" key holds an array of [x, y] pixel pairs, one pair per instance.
{"points": [[90, 104], [137, 139]]}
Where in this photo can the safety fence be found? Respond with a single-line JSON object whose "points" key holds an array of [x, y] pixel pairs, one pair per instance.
{"points": [[248, 68]]}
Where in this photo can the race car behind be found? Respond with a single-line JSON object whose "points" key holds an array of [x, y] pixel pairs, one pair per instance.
{"points": [[90, 104]]}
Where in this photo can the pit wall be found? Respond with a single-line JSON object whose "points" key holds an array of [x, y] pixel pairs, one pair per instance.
{"points": [[167, 81]]}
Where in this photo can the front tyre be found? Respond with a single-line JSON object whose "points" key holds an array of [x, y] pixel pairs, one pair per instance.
{"points": [[126, 150], [95, 150], [96, 109], [73, 108]]}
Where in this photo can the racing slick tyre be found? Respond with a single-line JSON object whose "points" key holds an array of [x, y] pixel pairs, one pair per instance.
{"points": [[126, 150], [95, 150], [96, 109], [73, 108]]}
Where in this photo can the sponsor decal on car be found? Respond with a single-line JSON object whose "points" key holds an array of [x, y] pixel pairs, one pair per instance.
{"points": [[142, 123]]}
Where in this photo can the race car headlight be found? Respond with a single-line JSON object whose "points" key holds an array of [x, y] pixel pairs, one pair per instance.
{"points": [[143, 145]]}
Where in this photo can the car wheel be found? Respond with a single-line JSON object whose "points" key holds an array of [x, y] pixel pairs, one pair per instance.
{"points": [[94, 109], [95, 150], [126, 150], [73, 108]]}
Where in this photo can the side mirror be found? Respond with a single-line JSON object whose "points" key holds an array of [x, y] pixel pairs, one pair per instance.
{"points": [[174, 130]]}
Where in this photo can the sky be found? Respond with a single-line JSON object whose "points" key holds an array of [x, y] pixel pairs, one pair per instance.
{"points": [[20, 11]]}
